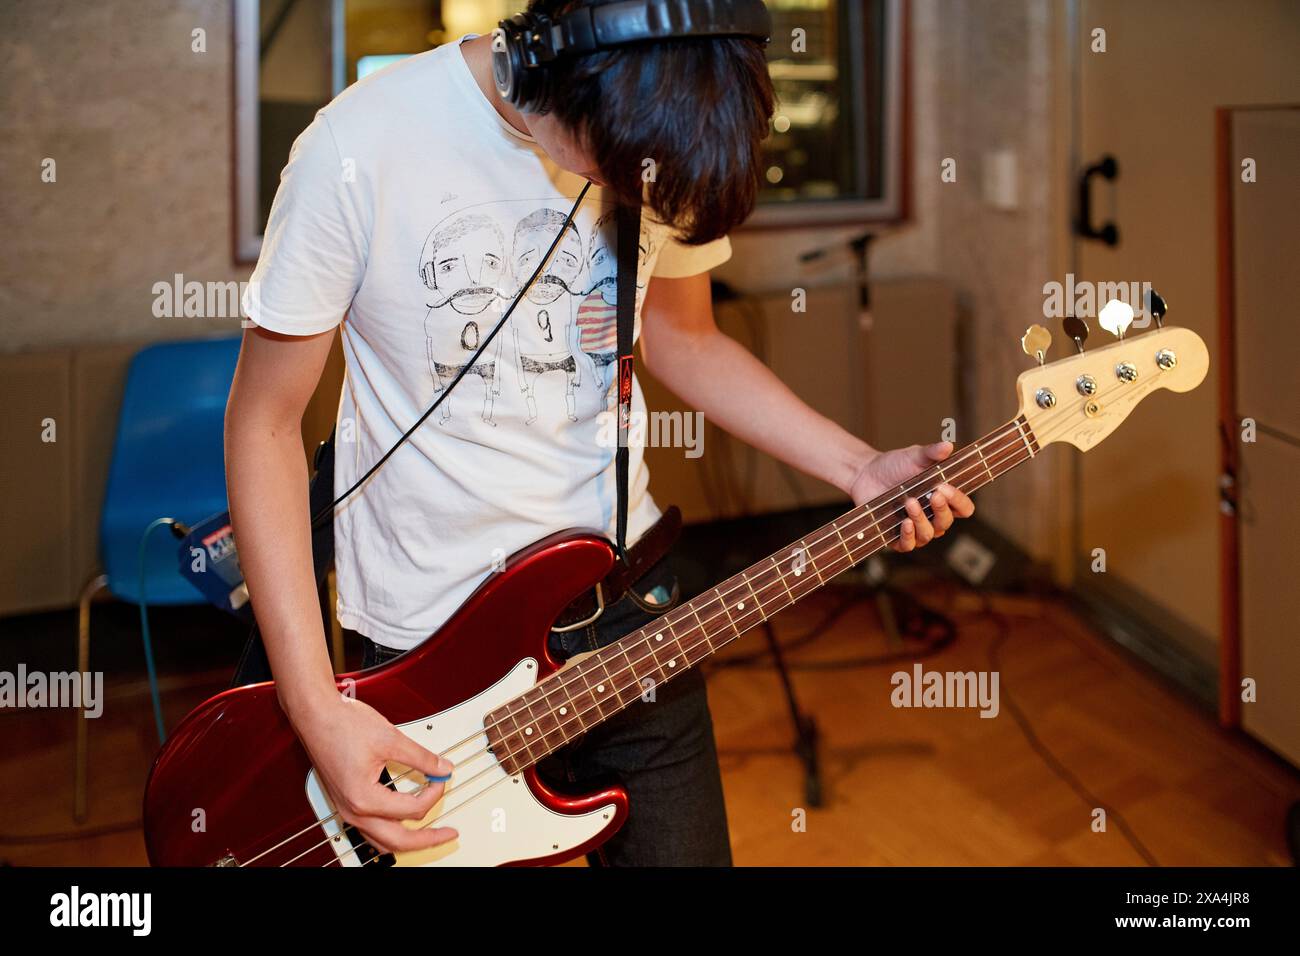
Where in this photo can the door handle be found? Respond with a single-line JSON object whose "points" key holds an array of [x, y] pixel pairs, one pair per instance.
{"points": [[1108, 232]]}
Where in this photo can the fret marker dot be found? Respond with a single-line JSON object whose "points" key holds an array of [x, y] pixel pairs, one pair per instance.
{"points": [[672, 663], [563, 711], [798, 571], [600, 688], [740, 606], [659, 637], [528, 731], [859, 535]]}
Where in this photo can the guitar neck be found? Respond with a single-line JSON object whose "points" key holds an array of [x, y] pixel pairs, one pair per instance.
{"points": [[572, 701]]}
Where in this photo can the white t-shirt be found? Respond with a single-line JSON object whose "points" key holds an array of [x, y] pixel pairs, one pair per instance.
{"points": [[413, 207]]}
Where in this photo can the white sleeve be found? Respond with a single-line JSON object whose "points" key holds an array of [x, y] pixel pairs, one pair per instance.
{"points": [[317, 239], [678, 260]]}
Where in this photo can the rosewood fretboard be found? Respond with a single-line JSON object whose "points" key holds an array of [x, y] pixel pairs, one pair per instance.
{"points": [[565, 705]]}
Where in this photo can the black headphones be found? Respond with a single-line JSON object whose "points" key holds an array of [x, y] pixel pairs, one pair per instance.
{"points": [[526, 44]]}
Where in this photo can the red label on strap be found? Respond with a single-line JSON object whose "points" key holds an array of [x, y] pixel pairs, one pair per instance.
{"points": [[625, 379]]}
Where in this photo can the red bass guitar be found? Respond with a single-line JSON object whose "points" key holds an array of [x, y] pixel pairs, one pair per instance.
{"points": [[233, 786]]}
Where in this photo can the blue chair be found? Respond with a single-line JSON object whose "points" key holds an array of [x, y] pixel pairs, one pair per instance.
{"points": [[168, 462]]}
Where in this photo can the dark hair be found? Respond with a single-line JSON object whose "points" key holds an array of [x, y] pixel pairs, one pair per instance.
{"points": [[698, 107]]}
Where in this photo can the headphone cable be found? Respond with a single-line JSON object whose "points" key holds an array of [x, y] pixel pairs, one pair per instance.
{"points": [[328, 509]]}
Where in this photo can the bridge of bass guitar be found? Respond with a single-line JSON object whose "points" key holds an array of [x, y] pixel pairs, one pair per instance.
{"points": [[500, 818]]}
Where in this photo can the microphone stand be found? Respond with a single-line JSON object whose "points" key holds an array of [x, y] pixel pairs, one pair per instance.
{"points": [[874, 576], [806, 735]]}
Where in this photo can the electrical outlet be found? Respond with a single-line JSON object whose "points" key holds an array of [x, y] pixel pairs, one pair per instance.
{"points": [[970, 559]]}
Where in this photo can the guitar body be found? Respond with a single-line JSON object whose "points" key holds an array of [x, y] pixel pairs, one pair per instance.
{"points": [[233, 782]]}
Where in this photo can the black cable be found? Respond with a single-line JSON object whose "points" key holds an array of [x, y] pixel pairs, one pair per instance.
{"points": [[1053, 763], [273, 31], [947, 635], [328, 510]]}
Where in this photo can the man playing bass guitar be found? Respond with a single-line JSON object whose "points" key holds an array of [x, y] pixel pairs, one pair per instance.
{"points": [[413, 212]]}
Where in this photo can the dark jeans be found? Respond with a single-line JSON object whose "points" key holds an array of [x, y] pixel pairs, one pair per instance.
{"points": [[662, 751]]}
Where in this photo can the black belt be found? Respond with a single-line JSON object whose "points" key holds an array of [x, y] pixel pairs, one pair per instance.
{"points": [[649, 550]]}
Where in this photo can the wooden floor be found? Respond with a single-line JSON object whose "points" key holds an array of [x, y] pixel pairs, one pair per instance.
{"points": [[939, 787]]}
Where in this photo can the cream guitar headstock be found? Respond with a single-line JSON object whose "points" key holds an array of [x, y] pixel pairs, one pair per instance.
{"points": [[1082, 399]]}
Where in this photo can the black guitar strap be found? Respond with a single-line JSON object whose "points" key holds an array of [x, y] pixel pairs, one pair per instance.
{"points": [[629, 253]]}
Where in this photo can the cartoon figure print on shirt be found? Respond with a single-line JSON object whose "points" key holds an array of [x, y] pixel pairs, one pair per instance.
{"points": [[598, 313], [542, 323], [463, 264], [476, 259]]}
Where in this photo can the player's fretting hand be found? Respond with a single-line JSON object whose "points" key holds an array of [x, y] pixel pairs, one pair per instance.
{"points": [[889, 469]]}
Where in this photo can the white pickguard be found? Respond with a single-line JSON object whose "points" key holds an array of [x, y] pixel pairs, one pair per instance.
{"points": [[498, 818]]}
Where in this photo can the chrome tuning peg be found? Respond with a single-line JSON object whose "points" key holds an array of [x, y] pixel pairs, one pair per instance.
{"points": [[1156, 307], [1036, 341], [1076, 329], [1115, 317]]}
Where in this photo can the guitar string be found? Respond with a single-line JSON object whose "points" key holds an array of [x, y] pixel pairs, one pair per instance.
{"points": [[668, 676], [869, 510], [1020, 456], [846, 522], [1023, 431], [993, 455], [1024, 435], [566, 679], [460, 787], [996, 458], [915, 481], [981, 480]]}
